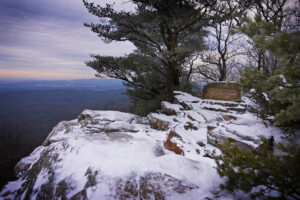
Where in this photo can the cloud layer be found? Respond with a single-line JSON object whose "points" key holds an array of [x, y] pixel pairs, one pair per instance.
{"points": [[46, 39]]}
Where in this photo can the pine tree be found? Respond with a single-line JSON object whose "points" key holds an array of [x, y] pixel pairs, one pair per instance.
{"points": [[166, 35], [261, 168], [277, 77], [166, 32], [145, 87], [274, 84]]}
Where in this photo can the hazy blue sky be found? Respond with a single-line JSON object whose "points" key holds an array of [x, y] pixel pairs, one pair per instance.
{"points": [[46, 39]]}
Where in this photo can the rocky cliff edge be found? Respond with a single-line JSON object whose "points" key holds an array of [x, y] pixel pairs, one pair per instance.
{"points": [[115, 155]]}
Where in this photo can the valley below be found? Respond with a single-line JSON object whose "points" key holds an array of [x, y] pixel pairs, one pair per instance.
{"points": [[30, 109]]}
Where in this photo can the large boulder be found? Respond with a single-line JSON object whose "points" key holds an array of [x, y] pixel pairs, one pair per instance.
{"points": [[217, 139], [170, 109], [172, 146], [159, 121]]}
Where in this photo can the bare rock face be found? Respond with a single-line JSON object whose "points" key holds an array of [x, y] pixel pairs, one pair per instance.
{"points": [[216, 139], [224, 106], [103, 123], [170, 109], [159, 122], [150, 186], [116, 155], [209, 128], [190, 126], [172, 146], [21, 167], [228, 117]]}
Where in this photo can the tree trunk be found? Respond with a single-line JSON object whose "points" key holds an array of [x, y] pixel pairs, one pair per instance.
{"points": [[222, 68], [266, 70], [172, 81], [259, 61], [223, 76]]}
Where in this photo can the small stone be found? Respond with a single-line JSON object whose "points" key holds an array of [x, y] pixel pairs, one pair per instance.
{"points": [[228, 117], [209, 154], [172, 146], [210, 128], [201, 144], [190, 125], [157, 123], [190, 117]]}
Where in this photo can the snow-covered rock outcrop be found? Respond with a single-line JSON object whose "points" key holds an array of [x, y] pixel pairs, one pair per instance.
{"points": [[115, 155]]}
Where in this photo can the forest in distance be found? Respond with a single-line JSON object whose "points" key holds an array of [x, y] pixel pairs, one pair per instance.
{"points": [[30, 109]]}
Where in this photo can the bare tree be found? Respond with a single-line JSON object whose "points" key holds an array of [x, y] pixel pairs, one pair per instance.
{"points": [[283, 15], [220, 59]]}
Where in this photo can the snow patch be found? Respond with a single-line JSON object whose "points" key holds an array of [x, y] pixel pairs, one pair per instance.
{"points": [[113, 155]]}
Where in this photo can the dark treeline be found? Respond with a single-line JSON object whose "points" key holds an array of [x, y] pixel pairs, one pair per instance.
{"points": [[10, 142]]}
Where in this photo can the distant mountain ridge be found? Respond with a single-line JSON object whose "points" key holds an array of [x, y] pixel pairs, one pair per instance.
{"points": [[77, 84], [29, 109]]}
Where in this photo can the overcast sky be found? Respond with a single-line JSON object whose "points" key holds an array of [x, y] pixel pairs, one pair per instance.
{"points": [[46, 39]]}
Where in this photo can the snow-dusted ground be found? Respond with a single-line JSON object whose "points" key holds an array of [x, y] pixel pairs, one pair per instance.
{"points": [[115, 155]]}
